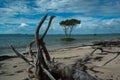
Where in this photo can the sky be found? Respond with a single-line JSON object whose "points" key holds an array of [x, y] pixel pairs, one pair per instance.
{"points": [[23, 16]]}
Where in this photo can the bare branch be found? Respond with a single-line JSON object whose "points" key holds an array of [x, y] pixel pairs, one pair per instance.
{"points": [[48, 74], [51, 18], [96, 50], [30, 73], [21, 56], [39, 26], [111, 59], [30, 46], [39, 57], [37, 30]]}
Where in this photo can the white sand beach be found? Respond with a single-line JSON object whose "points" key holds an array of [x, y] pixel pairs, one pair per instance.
{"points": [[15, 68]]}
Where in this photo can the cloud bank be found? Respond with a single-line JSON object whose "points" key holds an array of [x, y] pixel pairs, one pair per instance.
{"points": [[102, 16]]}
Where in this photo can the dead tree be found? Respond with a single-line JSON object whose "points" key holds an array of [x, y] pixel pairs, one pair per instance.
{"points": [[42, 67]]}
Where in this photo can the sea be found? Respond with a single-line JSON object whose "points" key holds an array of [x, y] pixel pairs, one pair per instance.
{"points": [[21, 41]]}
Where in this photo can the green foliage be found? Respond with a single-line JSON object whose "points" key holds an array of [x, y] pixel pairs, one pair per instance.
{"points": [[70, 22], [67, 39]]}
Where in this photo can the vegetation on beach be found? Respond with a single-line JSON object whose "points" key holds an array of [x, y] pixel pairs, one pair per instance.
{"points": [[68, 26]]}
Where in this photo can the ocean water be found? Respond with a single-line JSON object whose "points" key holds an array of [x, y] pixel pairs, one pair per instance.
{"points": [[21, 41]]}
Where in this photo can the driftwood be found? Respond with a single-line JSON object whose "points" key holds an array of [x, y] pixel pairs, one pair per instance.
{"points": [[108, 43], [42, 67], [104, 52]]}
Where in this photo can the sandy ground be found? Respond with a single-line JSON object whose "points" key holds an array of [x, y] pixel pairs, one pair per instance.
{"points": [[15, 68]]}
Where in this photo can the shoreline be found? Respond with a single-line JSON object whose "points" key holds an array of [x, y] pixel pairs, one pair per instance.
{"points": [[114, 42], [53, 49], [13, 55], [105, 43], [50, 40]]}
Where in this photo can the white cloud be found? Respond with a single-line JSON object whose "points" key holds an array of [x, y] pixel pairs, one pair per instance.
{"points": [[18, 6], [93, 7], [87, 23], [86, 7], [92, 23], [111, 23], [23, 25]]}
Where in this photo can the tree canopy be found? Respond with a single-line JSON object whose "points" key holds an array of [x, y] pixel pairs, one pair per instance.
{"points": [[70, 22], [68, 26]]}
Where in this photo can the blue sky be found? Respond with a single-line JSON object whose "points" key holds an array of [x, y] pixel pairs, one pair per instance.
{"points": [[97, 16]]}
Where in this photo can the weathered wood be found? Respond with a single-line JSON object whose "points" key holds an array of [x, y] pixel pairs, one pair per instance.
{"points": [[30, 50], [98, 48], [21, 56], [39, 57], [41, 40], [104, 51], [42, 37], [40, 61], [111, 59], [66, 72], [48, 74], [108, 43], [30, 73]]}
